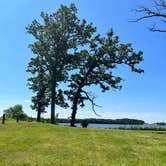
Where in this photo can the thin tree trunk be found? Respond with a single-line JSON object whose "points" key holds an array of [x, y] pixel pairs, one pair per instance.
{"points": [[17, 119], [39, 115], [74, 111], [53, 93], [74, 108]]}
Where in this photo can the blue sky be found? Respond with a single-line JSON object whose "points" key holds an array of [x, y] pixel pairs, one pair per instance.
{"points": [[142, 96]]}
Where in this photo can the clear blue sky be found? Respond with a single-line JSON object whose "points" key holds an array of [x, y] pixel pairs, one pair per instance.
{"points": [[142, 96]]}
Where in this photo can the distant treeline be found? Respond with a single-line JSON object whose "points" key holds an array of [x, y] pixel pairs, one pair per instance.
{"points": [[105, 121], [161, 123], [99, 121], [144, 128]]}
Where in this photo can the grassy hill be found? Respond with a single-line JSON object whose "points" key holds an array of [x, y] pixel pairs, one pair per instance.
{"points": [[37, 144]]}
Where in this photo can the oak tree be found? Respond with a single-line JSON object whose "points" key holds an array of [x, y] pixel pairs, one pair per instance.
{"points": [[56, 39], [96, 67]]}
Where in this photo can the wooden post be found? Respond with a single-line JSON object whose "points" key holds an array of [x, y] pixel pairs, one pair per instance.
{"points": [[3, 119]]}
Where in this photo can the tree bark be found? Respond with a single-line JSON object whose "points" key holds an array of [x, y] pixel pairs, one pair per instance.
{"points": [[38, 115], [74, 108], [17, 119], [74, 111], [53, 93]]}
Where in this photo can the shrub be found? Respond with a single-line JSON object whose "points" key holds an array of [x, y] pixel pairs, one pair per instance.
{"points": [[84, 123]]}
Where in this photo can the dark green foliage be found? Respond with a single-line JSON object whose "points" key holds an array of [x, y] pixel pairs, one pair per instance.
{"points": [[161, 123], [56, 40], [106, 121], [84, 123], [15, 112], [117, 121], [64, 43], [96, 67], [144, 128], [39, 85]]}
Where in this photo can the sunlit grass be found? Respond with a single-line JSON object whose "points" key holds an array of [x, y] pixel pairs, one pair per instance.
{"points": [[38, 144]]}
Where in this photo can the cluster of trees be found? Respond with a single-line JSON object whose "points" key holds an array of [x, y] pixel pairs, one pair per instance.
{"points": [[15, 112], [69, 56], [105, 121]]}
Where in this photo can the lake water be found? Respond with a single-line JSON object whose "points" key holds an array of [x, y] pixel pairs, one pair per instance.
{"points": [[116, 126]]}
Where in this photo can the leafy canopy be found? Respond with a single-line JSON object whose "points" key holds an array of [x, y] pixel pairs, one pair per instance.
{"points": [[15, 112]]}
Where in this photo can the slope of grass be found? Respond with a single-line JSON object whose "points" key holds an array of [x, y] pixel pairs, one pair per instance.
{"points": [[37, 144]]}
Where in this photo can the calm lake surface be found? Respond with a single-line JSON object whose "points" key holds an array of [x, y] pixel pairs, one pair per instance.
{"points": [[116, 126]]}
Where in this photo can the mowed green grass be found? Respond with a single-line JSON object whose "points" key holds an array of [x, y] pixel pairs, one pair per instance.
{"points": [[38, 144]]}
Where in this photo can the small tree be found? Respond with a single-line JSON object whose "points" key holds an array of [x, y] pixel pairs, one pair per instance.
{"points": [[16, 112], [84, 123], [96, 67], [39, 85]]}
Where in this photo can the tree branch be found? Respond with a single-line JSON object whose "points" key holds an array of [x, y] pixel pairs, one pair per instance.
{"points": [[91, 99], [154, 29], [158, 12], [148, 14]]}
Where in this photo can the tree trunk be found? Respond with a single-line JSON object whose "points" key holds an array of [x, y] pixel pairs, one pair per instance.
{"points": [[74, 107], [74, 111], [17, 119], [53, 93], [38, 115]]}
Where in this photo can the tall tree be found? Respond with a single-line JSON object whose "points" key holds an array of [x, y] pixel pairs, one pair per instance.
{"points": [[39, 85], [96, 67], [57, 38], [157, 11]]}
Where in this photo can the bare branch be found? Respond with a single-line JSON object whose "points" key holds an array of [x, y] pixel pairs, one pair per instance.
{"points": [[154, 29], [161, 4], [148, 14], [91, 99], [158, 12]]}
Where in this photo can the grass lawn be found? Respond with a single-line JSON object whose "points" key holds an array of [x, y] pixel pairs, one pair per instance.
{"points": [[38, 144]]}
